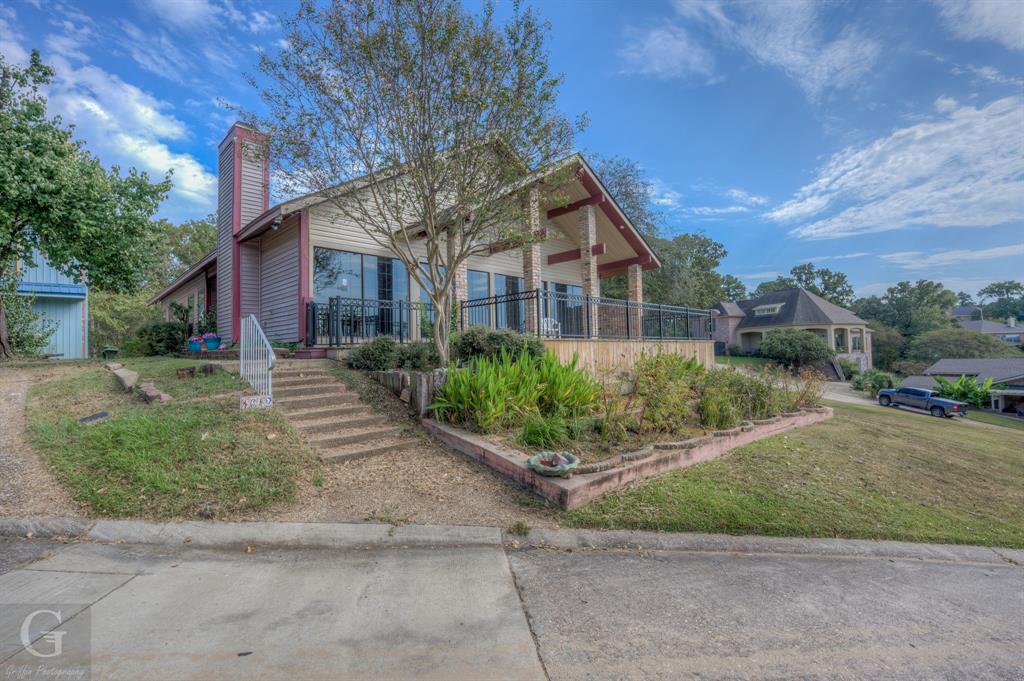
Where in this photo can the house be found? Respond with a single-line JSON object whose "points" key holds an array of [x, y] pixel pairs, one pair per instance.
{"points": [[61, 300], [965, 313], [310, 276], [1009, 332], [1007, 373], [746, 322]]}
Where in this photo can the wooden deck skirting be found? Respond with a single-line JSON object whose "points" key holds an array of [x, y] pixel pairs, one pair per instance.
{"points": [[607, 356]]}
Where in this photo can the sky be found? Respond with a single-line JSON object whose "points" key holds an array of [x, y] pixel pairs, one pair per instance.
{"points": [[881, 139]]}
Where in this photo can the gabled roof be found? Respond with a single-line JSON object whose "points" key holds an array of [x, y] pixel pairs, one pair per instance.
{"points": [[797, 307], [926, 382], [986, 326], [207, 260], [1000, 370], [729, 309], [964, 311]]}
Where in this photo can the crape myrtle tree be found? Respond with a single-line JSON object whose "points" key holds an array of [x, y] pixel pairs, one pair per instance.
{"points": [[430, 127], [57, 199]]}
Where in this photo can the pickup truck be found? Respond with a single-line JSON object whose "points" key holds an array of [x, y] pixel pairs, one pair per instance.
{"points": [[922, 399]]}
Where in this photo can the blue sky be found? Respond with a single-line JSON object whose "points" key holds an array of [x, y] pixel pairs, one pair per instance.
{"points": [[883, 139]]}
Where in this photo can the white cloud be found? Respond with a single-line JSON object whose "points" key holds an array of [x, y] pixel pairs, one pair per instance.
{"points": [[746, 198], [1000, 21], [12, 51], [961, 169], [187, 14], [714, 211], [842, 256], [156, 52], [918, 261], [760, 275], [988, 74], [666, 51], [788, 35]]}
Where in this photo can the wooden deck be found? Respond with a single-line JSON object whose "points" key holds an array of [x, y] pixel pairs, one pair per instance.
{"points": [[608, 357]]}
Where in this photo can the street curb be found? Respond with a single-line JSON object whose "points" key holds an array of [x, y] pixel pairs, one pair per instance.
{"points": [[721, 543], [369, 535]]}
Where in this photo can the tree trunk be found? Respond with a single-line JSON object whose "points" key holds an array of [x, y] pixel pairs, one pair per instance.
{"points": [[6, 351], [442, 328]]}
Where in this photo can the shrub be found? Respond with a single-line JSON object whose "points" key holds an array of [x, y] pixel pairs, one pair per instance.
{"points": [[160, 338], [957, 343], [665, 390], [566, 390], [966, 389], [803, 389], [421, 356], [795, 347], [480, 341], [380, 354], [717, 408], [734, 350], [544, 432], [849, 367], [501, 392], [29, 331], [873, 380]]}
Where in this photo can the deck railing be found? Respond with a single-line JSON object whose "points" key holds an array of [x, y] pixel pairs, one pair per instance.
{"points": [[548, 314], [257, 360]]}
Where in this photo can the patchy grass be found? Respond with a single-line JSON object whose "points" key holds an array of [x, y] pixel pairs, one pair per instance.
{"points": [[741, 361], [178, 460], [995, 419], [163, 371], [867, 473]]}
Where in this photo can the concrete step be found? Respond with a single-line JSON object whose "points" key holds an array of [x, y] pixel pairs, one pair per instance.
{"points": [[341, 426], [310, 391], [300, 373], [295, 381], [364, 449], [347, 437], [317, 413], [318, 401]]}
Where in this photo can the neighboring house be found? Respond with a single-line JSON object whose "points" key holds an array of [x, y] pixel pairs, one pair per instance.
{"points": [[1009, 332], [61, 300], [1007, 373], [746, 322], [310, 276], [965, 313]]}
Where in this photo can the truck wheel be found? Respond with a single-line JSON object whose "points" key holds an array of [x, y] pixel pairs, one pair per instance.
{"points": [[885, 400], [938, 412]]}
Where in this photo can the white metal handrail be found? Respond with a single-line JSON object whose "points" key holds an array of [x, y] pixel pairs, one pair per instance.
{"points": [[257, 361]]}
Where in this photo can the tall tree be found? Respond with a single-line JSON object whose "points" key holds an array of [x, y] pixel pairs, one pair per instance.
{"points": [[181, 246], [423, 123], [1003, 299], [910, 308], [832, 286], [57, 199], [733, 289], [964, 298]]}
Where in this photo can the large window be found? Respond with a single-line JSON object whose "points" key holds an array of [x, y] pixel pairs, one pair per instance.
{"points": [[336, 274], [563, 309], [479, 286], [374, 290], [511, 313]]}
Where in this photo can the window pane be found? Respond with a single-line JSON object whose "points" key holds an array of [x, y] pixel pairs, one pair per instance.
{"points": [[478, 284], [336, 273]]}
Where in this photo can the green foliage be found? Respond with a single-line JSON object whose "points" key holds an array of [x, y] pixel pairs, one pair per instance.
{"points": [[734, 350], [493, 393], [873, 380], [957, 343], [910, 308], [380, 354], [966, 389], [420, 356], [159, 338], [115, 318], [795, 347], [887, 345], [1004, 299], [832, 286], [665, 389], [29, 331], [57, 199], [481, 341], [718, 410], [544, 432], [208, 321], [849, 367], [178, 247]]}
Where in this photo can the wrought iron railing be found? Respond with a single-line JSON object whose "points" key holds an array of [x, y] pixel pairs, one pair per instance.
{"points": [[257, 360], [342, 321], [549, 314], [553, 314]]}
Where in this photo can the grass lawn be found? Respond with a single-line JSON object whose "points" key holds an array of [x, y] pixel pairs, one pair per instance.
{"points": [[868, 472], [163, 371], [740, 361], [184, 459], [995, 419]]}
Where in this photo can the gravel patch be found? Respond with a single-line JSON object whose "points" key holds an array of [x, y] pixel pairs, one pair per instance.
{"points": [[27, 487]]}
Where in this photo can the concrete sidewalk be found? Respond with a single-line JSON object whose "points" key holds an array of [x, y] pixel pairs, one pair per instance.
{"points": [[292, 600]]}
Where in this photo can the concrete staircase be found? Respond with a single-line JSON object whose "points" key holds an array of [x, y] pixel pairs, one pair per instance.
{"points": [[332, 418]]}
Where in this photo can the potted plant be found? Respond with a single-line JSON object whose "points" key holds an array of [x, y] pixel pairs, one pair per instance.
{"points": [[211, 340], [195, 344]]}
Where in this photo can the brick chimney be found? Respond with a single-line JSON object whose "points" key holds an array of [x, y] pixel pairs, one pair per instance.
{"points": [[243, 192]]}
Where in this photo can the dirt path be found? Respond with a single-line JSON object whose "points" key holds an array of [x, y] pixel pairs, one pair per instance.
{"points": [[26, 486]]}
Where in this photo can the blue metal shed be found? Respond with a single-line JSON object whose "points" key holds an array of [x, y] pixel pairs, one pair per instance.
{"points": [[60, 299]]}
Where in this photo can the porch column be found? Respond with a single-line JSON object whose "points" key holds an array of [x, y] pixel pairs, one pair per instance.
{"points": [[636, 297], [588, 261], [830, 338], [531, 261]]}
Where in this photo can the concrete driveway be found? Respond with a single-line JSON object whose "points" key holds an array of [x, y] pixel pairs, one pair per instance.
{"points": [[436, 603]]}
